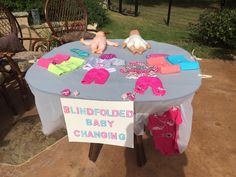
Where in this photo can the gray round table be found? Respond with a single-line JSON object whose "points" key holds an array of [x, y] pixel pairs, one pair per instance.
{"points": [[46, 87]]}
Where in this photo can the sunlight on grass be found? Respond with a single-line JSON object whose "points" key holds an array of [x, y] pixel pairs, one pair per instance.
{"points": [[152, 26]]}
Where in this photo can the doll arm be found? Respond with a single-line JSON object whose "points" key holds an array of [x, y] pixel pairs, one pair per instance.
{"points": [[124, 44], [85, 42], [115, 44], [148, 45]]}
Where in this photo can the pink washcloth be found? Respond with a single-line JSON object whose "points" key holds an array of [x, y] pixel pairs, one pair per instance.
{"points": [[57, 59], [164, 129], [164, 66], [155, 83], [98, 75]]}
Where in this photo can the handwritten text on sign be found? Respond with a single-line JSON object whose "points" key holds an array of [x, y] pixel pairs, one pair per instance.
{"points": [[106, 122]]}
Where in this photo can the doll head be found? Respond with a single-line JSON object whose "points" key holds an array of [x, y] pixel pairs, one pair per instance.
{"points": [[134, 32]]}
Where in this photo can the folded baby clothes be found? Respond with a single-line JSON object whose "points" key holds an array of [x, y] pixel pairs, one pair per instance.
{"points": [[66, 66], [94, 62], [144, 82], [57, 59], [134, 70], [184, 63], [98, 75], [163, 66], [55, 69]]}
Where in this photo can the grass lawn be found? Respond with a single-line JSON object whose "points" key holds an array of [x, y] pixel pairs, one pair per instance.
{"points": [[151, 24]]}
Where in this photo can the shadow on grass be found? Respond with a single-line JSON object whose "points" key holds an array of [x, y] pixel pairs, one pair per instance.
{"points": [[24, 139]]}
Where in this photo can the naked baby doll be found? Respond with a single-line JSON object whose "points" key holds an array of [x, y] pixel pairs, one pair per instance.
{"points": [[135, 43], [99, 43]]}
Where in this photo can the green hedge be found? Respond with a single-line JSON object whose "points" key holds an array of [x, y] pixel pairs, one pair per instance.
{"points": [[96, 13], [216, 28]]}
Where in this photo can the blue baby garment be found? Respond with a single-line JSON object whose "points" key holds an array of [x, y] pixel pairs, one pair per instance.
{"points": [[184, 63]]}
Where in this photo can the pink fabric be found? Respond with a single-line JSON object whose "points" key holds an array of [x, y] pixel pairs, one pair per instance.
{"points": [[98, 75], [44, 62], [163, 66], [165, 130], [144, 82], [57, 59], [157, 55], [107, 56]]}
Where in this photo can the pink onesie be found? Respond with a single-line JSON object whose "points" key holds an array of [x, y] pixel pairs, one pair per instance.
{"points": [[144, 82], [98, 75], [164, 129]]}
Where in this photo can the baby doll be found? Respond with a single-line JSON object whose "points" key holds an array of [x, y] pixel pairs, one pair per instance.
{"points": [[99, 43], [135, 43]]}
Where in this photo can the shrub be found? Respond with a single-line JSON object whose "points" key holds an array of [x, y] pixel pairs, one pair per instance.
{"points": [[96, 12], [216, 28]]}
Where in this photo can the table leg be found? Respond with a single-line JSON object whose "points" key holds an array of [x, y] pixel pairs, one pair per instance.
{"points": [[139, 148], [94, 151]]}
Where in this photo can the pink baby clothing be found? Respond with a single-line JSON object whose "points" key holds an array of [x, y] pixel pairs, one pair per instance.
{"points": [[107, 56], [98, 75], [144, 82], [57, 59], [164, 129], [134, 70], [157, 55], [163, 66]]}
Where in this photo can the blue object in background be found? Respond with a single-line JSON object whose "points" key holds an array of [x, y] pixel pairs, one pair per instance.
{"points": [[79, 52], [184, 63]]}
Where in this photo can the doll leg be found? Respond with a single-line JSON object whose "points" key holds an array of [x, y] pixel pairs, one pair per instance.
{"points": [[94, 47], [141, 50], [133, 49], [101, 48]]}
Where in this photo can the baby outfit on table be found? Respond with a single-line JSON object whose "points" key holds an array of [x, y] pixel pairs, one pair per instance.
{"points": [[67, 66], [142, 85], [60, 64], [98, 75], [144, 82], [164, 130], [94, 62], [134, 70], [57, 59], [160, 62], [184, 63]]}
